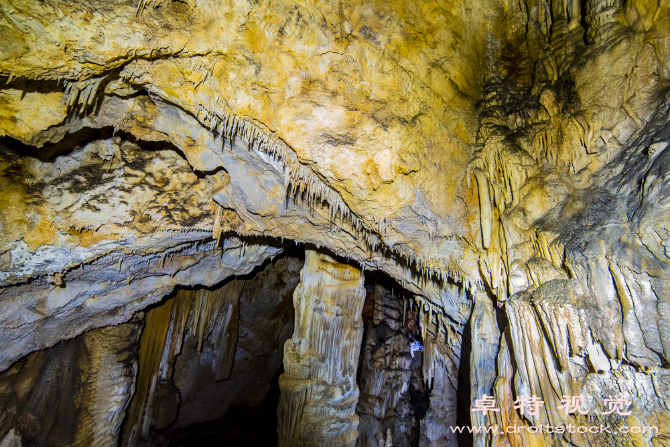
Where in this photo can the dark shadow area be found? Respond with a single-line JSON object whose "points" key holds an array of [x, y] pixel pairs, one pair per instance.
{"points": [[376, 277], [32, 86], [464, 398], [242, 405], [419, 396], [388, 364], [582, 19], [50, 151], [240, 426]]}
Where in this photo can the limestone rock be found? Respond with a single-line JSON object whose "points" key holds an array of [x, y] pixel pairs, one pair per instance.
{"points": [[384, 405], [506, 162], [75, 394], [318, 390]]}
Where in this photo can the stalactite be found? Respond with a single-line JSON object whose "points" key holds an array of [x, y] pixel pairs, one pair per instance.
{"points": [[203, 314], [157, 323], [300, 180], [81, 93]]}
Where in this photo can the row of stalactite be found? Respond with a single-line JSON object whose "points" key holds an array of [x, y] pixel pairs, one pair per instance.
{"points": [[192, 316]]}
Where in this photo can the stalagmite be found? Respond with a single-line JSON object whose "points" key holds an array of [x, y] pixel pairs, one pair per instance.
{"points": [[318, 390], [152, 343], [109, 384]]}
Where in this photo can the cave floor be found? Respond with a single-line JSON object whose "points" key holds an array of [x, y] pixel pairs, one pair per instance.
{"points": [[241, 426]]}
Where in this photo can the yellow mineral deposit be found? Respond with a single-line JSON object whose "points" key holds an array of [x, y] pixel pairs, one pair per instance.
{"points": [[334, 223]]}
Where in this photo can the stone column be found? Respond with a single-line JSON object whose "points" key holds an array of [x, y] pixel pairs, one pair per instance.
{"points": [[107, 382], [318, 390]]}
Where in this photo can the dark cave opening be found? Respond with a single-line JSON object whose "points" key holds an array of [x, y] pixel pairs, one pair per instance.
{"points": [[241, 425], [237, 406], [48, 152], [401, 402], [70, 142], [185, 395]]}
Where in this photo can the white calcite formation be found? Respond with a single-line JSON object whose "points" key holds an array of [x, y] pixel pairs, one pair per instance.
{"points": [[571, 140], [319, 391]]}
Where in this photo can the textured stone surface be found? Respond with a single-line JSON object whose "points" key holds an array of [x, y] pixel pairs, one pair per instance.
{"points": [[385, 375], [100, 233], [441, 360], [515, 149], [265, 323], [573, 131], [318, 388], [205, 349], [352, 111], [485, 343], [74, 394]]}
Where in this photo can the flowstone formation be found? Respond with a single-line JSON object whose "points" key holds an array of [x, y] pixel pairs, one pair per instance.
{"points": [[333, 143], [318, 390], [171, 367], [572, 174], [166, 165], [76, 393], [203, 350]]}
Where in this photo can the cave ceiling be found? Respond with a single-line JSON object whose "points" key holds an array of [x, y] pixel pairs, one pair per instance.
{"points": [[348, 126], [510, 150]]}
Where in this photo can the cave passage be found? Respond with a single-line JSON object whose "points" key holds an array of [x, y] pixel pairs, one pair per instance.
{"points": [[210, 362], [416, 223]]}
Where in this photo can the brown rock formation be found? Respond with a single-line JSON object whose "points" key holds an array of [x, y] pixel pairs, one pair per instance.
{"points": [[385, 375], [202, 349], [566, 160], [75, 394]]}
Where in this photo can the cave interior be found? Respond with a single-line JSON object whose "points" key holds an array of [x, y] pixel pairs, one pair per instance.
{"points": [[418, 223]]}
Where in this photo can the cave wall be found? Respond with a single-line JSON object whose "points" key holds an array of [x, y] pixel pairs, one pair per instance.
{"points": [[74, 394], [149, 162], [573, 134], [265, 322], [505, 161], [379, 142], [385, 372], [205, 349], [182, 362]]}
